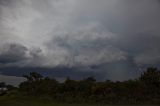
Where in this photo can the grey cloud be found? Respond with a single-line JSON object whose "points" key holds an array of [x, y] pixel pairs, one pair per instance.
{"points": [[19, 55], [86, 51], [82, 33], [11, 53], [12, 80], [6, 2]]}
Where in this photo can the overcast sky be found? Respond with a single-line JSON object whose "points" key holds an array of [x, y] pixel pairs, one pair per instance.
{"points": [[113, 38]]}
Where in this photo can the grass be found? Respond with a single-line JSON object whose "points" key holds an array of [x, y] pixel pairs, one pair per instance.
{"points": [[26, 101]]}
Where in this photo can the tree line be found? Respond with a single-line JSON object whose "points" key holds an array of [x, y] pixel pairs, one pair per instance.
{"points": [[145, 89]]}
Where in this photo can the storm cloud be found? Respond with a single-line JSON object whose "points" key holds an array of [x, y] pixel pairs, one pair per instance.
{"points": [[111, 37]]}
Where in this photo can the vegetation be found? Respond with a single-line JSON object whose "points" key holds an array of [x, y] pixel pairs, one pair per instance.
{"points": [[144, 90], [32, 101], [24, 101]]}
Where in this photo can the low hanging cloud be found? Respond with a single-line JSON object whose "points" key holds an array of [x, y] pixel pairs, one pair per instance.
{"points": [[80, 33], [12, 80]]}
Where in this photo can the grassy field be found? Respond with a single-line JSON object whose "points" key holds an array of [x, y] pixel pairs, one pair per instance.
{"points": [[25, 101]]}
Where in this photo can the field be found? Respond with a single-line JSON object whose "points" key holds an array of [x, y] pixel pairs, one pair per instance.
{"points": [[23, 101]]}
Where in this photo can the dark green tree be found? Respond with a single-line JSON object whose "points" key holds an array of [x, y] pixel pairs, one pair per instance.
{"points": [[151, 76]]}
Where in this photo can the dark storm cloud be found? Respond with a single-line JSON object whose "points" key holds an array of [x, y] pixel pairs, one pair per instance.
{"points": [[58, 72], [19, 55], [6, 2], [11, 53], [146, 48], [108, 37]]}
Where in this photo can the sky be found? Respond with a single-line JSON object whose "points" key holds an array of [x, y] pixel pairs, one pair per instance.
{"points": [[107, 39]]}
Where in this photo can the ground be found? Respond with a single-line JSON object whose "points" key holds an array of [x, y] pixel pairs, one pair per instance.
{"points": [[26, 101]]}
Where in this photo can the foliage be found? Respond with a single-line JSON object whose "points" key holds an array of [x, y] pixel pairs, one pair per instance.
{"points": [[144, 90]]}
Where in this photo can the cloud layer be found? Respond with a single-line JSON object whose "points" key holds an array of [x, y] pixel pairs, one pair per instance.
{"points": [[12, 80], [106, 36]]}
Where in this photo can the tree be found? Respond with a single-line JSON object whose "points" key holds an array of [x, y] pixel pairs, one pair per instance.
{"points": [[33, 76], [2, 84], [142, 90], [151, 76], [32, 85]]}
